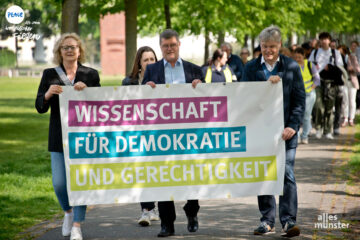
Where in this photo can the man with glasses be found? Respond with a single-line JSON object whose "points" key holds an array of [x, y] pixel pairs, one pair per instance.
{"points": [[244, 54], [173, 70]]}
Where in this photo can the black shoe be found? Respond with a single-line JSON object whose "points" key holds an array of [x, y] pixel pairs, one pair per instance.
{"points": [[193, 224], [166, 231]]}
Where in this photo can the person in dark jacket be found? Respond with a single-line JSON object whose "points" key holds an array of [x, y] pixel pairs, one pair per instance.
{"points": [[144, 56], [68, 55], [233, 61], [218, 70], [173, 70], [273, 67]]}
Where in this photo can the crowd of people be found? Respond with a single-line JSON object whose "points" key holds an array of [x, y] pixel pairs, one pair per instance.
{"points": [[317, 77], [331, 74]]}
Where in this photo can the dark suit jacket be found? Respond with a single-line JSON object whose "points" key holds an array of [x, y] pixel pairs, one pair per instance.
{"points": [[236, 65], [155, 72], [84, 74], [130, 81], [293, 90]]}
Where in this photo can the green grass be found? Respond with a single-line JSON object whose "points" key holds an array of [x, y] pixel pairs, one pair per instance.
{"points": [[26, 193], [354, 163]]}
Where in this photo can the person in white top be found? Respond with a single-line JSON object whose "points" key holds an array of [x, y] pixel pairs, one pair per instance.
{"points": [[325, 59]]}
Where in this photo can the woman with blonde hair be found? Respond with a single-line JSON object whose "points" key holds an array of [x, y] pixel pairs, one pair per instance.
{"points": [[69, 55]]}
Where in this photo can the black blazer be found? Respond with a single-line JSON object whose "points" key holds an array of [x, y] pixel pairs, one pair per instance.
{"points": [[130, 81], [155, 72], [84, 74], [293, 90]]}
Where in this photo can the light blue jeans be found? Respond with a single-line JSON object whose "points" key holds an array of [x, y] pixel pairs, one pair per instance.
{"points": [[309, 104], [59, 183]]}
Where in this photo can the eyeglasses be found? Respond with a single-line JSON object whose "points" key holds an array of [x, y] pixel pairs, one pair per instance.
{"points": [[244, 53], [66, 48], [167, 46]]}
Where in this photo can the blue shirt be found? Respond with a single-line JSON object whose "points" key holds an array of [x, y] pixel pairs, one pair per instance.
{"points": [[176, 74]]}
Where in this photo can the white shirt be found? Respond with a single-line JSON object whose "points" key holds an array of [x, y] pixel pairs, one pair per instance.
{"points": [[323, 58], [267, 65]]}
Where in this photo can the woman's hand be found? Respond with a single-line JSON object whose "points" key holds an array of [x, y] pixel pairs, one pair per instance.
{"points": [[79, 86], [53, 90]]}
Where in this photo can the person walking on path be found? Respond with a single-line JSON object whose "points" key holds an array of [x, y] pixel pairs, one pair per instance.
{"points": [[144, 56], [273, 67], [68, 54], [326, 60], [311, 80], [173, 70], [351, 87]]}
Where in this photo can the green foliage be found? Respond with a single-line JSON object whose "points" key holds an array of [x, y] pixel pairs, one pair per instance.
{"points": [[248, 17], [7, 58], [353, 165]]}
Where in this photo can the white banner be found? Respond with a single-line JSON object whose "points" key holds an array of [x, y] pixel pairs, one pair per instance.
{"points": [[173, 142]]}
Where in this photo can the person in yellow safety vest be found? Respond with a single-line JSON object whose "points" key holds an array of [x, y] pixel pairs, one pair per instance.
{"points": [[218, 70], [311, 80]]}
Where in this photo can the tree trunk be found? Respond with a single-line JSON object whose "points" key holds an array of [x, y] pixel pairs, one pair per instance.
{"points": [[130, 33], [167, 13], [16, 52], [207, 43], [246, 38], [252, 44], [70, 16], [289, 40], [221, 38]]}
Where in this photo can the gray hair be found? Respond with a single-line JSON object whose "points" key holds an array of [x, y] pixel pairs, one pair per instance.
{"points": [[226, 44], [271, 33], [169, 33]]}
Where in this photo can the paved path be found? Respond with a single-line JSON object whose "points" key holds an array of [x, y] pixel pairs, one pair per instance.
{"points": [[321, 189]]}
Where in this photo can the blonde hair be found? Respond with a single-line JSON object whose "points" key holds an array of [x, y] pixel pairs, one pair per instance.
{"points": [[57, 48]]}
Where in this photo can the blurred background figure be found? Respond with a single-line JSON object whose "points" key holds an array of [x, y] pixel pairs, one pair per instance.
{"points": [[257, 52], [285, 51], [307, 49], [218, 70], [311, 80], [351, 87], [333, 44], [244, 55], [233, 60]]}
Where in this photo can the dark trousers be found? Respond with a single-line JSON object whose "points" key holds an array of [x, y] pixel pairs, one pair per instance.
{"points": [[167, 211], [288, 201], [147, 205], [338, 106], [325, 100]]}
